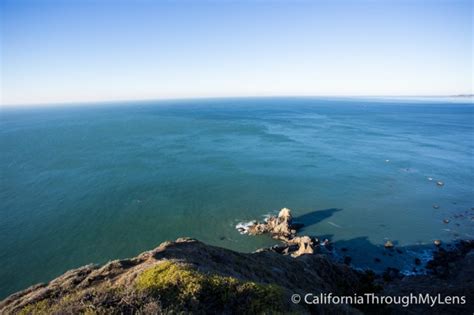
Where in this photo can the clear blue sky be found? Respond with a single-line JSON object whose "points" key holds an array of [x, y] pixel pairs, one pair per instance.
{"points": [[60, 51]]}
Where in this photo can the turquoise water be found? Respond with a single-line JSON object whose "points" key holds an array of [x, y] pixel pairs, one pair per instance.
{"points": [[86, 184]]}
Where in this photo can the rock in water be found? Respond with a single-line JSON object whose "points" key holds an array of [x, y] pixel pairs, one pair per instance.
{"points": [[283, 228], [305, 245], [285, 214], [388, 244], [279, 227]]}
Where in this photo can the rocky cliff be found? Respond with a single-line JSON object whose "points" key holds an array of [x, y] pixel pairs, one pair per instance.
{"points": [[187, 276]]}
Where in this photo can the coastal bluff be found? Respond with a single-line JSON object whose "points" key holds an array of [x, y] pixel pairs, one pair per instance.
{"points": [[188, 276]]}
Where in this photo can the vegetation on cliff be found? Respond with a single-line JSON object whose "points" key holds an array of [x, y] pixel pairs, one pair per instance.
{"points": [[182, 287], [188, 276], [168, 287]]}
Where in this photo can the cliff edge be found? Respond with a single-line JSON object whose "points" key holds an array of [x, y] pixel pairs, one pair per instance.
{"points": [[188, 276]]}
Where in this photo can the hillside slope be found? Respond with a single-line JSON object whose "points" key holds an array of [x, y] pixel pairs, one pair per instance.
{"points": [[190, 276]]}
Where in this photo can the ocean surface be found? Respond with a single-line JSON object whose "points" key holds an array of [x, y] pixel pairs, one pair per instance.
{"points": [[92, 183]]}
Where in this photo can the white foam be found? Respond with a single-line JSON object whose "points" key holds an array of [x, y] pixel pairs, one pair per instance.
{"points": [[243, 227]]}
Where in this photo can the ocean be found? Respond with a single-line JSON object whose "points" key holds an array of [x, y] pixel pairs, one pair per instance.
{"points": [[95, 182]]}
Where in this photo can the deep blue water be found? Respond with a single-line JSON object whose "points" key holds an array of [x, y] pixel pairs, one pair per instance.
{"points": [[84, 184]]}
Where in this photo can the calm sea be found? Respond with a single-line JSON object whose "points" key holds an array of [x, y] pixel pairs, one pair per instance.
{"points": [[87, 184]]}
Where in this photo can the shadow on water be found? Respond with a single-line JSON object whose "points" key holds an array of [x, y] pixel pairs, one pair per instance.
{"points": [[315, 216], [367, 255]]}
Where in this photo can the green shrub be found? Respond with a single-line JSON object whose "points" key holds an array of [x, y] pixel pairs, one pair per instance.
{"points": [[182, 288], [38, 308]]}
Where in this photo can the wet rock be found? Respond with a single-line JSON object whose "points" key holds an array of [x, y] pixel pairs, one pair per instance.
{"points": [[388, 244], [446, 221], [437, 242], [257, 229], [440, 183], [435, 206]]}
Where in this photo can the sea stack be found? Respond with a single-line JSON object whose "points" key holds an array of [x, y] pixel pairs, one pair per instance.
{"points": [[279, 227]]}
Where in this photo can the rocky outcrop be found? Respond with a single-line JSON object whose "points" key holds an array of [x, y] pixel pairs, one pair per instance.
{"points": [[305, 245], [283, 228], [280, 227]]}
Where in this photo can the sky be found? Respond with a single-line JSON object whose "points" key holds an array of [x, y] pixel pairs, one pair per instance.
{"points": [[88, 51]]}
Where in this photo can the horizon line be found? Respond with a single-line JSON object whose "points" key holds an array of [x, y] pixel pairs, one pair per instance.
{"points": [[184, 98]]}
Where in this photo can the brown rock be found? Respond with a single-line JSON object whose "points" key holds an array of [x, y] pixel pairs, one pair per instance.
{"points": [[305, 245], [279, 227]]}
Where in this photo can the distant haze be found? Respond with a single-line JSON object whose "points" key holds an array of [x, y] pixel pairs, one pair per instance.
{"points": [[78, 51]]}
